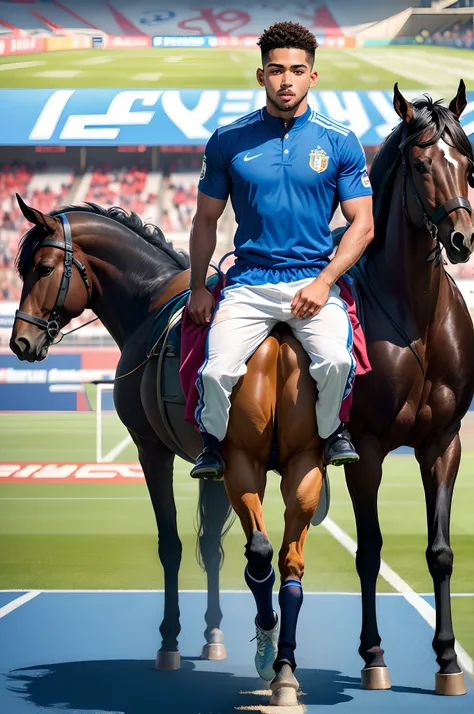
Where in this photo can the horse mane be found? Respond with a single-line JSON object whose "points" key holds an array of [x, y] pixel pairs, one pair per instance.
{"points": [[152, 234], [428, 117]]}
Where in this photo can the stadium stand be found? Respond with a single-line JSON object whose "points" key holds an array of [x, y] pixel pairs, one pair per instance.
{"points": [[41, 186], [247, 18], [179, 202], [134, 189]]}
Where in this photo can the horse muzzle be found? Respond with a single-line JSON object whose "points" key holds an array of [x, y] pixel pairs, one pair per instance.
{"points": [[29, 351], [460, 246]]}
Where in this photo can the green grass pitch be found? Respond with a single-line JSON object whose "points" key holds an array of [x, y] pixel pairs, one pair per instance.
{"points": [[434, 69], [102, 536]]}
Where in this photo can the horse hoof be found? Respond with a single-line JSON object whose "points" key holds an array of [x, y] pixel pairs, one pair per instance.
{"points": [[284, 687], [451, 685], [214, 651], [167, 661], [375, 678]]}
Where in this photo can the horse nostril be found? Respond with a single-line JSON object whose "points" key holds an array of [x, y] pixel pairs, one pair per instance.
{"points": [[457, 240], [20, 345]]}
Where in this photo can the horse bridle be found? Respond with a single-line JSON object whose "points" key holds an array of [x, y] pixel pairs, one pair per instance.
{"points": [[51, 325], [430, 221]]}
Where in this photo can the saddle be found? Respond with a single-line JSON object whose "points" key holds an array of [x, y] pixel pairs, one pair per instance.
{"points": [[165, 345]]}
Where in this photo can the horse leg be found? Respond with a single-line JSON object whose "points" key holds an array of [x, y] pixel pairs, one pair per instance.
{"points": [[157, 463], [300, 487], [215, 519], [245, 481], [439, 465], [363, 481], [300, 456]]}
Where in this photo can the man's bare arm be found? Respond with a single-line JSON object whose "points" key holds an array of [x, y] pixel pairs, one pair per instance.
{"points": [[202, 244], [358, 211], [203, 237], [311, 299]]}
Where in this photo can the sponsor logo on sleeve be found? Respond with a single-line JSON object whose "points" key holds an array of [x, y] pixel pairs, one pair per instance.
{"points": [[365, 179], [203, 167]]}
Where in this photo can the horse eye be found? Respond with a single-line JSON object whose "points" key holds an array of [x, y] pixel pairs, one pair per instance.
{"points": [[420, 167], [45, 270]]}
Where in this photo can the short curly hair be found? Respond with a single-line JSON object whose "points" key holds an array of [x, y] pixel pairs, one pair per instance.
{"points": [[287, 34]]}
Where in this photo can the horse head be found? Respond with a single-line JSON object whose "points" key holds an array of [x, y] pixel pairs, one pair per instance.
{"points": [[437, 167], [56, 283]]}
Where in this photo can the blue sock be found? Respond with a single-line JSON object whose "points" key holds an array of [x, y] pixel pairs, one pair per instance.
{"points": [[261, 585], [210, 441], [290, 599]]}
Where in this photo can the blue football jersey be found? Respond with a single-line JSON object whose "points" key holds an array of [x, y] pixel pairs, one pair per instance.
{"points": [[285, 182]]}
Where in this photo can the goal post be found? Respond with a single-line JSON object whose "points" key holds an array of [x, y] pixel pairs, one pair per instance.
{"points": [[99, 398]]}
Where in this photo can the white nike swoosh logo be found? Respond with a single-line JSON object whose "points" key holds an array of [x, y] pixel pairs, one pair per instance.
{"points": [[249, 158]]}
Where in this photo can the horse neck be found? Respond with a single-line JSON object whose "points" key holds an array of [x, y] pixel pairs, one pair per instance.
{"points": [[402, 265], [129, 275]]}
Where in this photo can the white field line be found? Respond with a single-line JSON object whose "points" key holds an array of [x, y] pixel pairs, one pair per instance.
{"points": [[412, 59], [19, 65], [383, 65], [442, 59], [18, 602], [231, 592], [113, 453], [89, 498], [59, 73], [95, 60], [178, 498], [425, 610]]}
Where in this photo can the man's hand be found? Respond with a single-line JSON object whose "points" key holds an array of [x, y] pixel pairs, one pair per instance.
{"points": [[310, 300], [201, 305]]}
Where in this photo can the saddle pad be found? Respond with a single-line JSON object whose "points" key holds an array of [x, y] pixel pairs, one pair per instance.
{"points": [[164, 315]]}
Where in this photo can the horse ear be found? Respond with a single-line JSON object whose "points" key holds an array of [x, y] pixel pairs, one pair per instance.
{"points": [[402, 106], [458, 104], [50, 223]]}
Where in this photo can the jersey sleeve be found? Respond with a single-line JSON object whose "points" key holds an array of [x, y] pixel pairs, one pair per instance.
{"points": [[353, 179], [214, 180]]}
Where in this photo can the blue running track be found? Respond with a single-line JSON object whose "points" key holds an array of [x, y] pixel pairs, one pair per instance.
{"points": [[93, 653]]}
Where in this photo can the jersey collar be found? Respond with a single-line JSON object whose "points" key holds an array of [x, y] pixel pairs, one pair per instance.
{"points": [[278, 125]]}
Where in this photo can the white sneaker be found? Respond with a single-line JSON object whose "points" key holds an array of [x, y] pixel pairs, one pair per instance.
{"points": [[267, 650]]}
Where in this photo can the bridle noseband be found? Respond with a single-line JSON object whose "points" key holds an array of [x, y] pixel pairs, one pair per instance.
{"points": [[430, 221], [51, 325]]}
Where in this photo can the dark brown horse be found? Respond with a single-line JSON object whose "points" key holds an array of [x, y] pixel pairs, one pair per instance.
{"points": [[420, 343], [421, 346]]}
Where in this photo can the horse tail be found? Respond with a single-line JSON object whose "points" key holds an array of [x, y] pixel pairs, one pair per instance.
{"points": [[215, 518]]}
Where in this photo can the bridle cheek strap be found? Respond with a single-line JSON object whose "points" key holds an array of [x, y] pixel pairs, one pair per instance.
{"points": [[430, 221], [51, 325]]}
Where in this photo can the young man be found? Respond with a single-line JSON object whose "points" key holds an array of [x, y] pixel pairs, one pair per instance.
{"points": [[286, 168]]}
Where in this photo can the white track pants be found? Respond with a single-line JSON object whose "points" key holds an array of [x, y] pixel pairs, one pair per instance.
{"points": [[244, 317]]}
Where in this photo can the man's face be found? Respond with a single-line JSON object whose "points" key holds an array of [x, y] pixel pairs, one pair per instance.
{"points": [[287, 76]]}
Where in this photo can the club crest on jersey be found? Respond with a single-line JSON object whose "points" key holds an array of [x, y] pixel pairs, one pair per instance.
{"points": [[318, 160]]}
